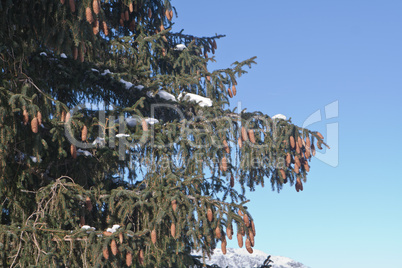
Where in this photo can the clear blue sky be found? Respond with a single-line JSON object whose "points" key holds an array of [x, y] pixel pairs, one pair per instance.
{"points": [[310, 54]]}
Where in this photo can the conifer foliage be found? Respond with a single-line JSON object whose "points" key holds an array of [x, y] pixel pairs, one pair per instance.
{"points": [[117, 147]]}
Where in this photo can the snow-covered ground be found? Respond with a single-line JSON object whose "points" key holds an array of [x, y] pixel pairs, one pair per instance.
{"points": [[240, 258]]}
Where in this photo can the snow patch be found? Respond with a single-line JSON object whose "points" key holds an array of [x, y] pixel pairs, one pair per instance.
{"points": [[279, 116], [105, 72], [180, 47], [202, 101], [43, 54], [127, 84], [166, 95], [63, 56]]}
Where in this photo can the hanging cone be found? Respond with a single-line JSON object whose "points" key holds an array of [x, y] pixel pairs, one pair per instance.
{"points": [[121, 238], [39, 116], [297, 161], [171, 14], [229, 231], [320, 135], [144, 125], [84, 133], [226, 146], [296, 169], [218, 234], [298, 151], [25, 116], [251, 135], [241, 214], [244, 134], [288, 159], [95, 27], [246, 220], [231, 181], [105, 253], [308, 142], [223, 246], [153, 236], [319, 145], [312, 149], [75, 53], [240, 240], [96, 6], [224, 164], [113, 247], [230, 92], [129, 259], [210, 215], [174, 205], [105, 233], [208, 78], [306, 166], [141, 257], [240, 142], [300, 142], [126, 16], [283, 174], [298, 185], [105, 28], [307, 153], [88, 203], [248, 246], [149, 13], [131, 7], [292, 142], [251, 236], [34, 125], [73, 151], [62, 1], [72, 5], [88, 15], [131, 26], [233, 86], [173, 230], [253, 227]]}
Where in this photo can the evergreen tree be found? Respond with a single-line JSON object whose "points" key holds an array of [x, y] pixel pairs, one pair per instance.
{"points": [[117, 146]]}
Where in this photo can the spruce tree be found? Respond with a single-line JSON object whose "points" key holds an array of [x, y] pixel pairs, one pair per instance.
{"points": [[117, 144]]}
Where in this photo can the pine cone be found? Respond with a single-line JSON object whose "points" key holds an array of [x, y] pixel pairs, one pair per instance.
{"points": [[62, 1], [105, 28], [229, 231], [251, 236], [208, 78], [84, 133], [320, 135], [113, 247], [319, 145], [240, 142], [251, 135], [297, 161], [131, 7], [306, 166], [82, 221], [288, 159], [153, 236], [129, 259], [131, 26], [292, 142], [105, 252], [72, 5], [253, 227], [298, 185], [298, 151], [296, 168], [174, 205], [312, 149], [149, 13], [240, 240], [244, 134], [230, 92], [88, 203], [299, 142], [223, 246], [210, 215], [218, 234], [246, 220], [25, 116], [75, 53], [34, 125], [173, 230], [226, 146], [126, 16], [39, 116], [95, 27], [73, 151], [63, 116], [96, 6], [224, 164], [308, 142], [88, 15], [233, 86], [248, 246], [283, 174], [144, 125], [141, 257], [168, 15], [231, 181], [121, 238]]}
